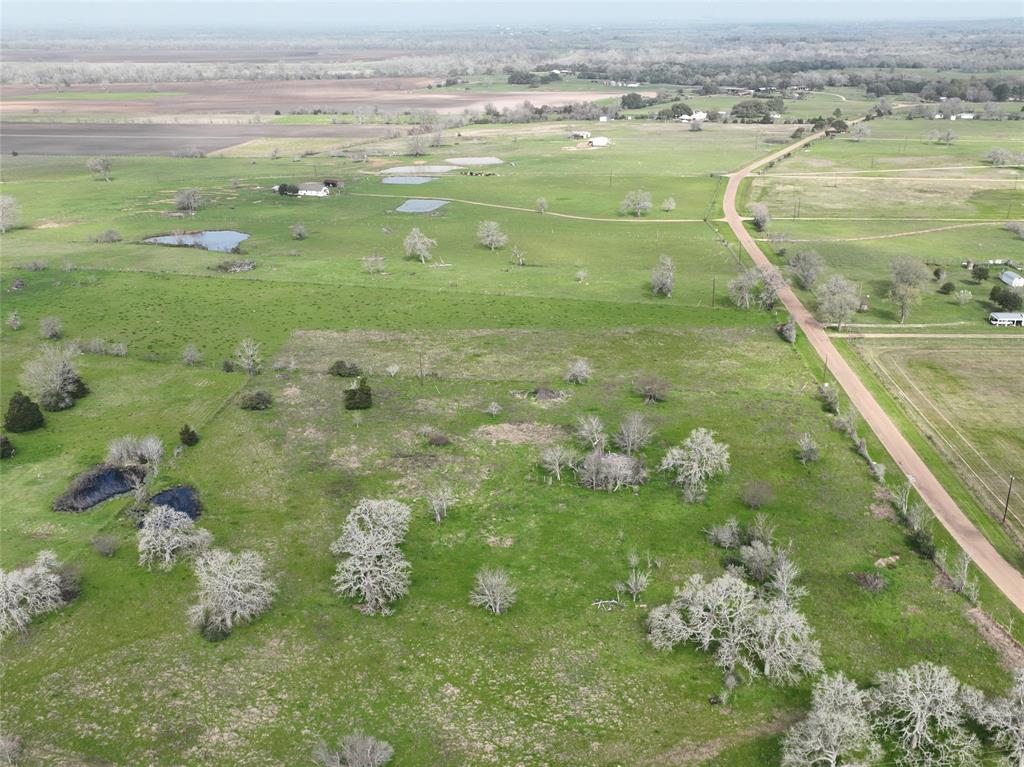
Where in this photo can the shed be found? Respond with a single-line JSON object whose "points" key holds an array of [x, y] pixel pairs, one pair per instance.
{"points": [[313, 189], [1007, 319], [581, 134], [599, 141], [1012, 279]]}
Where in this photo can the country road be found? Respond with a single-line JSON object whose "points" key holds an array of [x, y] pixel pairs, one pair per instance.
{"points": [[1006, 578]]}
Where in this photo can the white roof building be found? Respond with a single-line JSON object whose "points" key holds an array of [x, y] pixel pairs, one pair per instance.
{"points": [[313, 189], [1007, 319], [581, 134], [599, 141], [1012, 279]]}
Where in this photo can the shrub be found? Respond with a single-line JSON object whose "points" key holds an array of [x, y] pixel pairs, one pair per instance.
{"points": [[807, 449], [299, 232], [104, 545], [359, 396], [135, 451], [357, 750], [14, 321], [652, 389], [494, 591], [344, 369], [108, 236], [610, 471], [188, 436], [829, 397], [53, 379], [255, 400], [30, 591], [228, 366], [757, 493], [579, 371], [873, 582], [6, 447], [947, 288], [923, 542], [788, 330], [979, 273], [22, 414], [50, 328], [191, 356]]}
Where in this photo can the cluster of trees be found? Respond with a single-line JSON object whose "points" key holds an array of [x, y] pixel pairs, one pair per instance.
{"points": [[921, 716], [758, 110], [52, 378], [756, 286], [1007, 299], [533, 79]]}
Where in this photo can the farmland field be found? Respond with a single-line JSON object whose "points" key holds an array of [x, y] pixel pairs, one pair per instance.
{"points": [[119, 677]]}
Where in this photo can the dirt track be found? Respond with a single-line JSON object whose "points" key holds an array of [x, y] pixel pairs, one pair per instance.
{"points": [[1006, 578]]}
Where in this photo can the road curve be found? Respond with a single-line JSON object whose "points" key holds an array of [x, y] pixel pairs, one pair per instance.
{"points": [[1006, 578]]}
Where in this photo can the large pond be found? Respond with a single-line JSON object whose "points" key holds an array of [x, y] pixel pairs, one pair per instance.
{"points": [[221, 240], [412, 180], [420, 206]]}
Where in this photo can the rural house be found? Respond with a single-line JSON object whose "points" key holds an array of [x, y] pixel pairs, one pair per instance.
{"points": [[313, 189], [1012, 279]]}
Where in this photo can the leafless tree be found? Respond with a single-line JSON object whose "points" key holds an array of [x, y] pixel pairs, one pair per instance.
{"points": [[374, 570], [668, 204], [299, 232], [808, 449], [999, 156], [760, 215], [416, 145], [493, 410], [145, 451], [557, 458], [490, 235], [418, 245], [590, 431], [441, 499], [167, 535], [663, 277], [542, 205], [373, 264], [191, 356], [29, 591], [493, 591], [52, 378], [921, 710], [1004, 718], [806, 266], [233, 590], [635, 432], [610, 471], [14, 321], [579, 371], [725, 536], [100, 166], [249, 356], [788, 330], [837, 301], [636, 203], [697, 460], [188, 201], [744, 289], [10, 748], [908, 277], [837, 731], [357, 750], [10, 213], [859, 132], [652, 388], [582, 275], [50, 328], [963, 297]]}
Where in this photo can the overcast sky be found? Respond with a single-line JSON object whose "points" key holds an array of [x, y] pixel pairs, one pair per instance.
{"points": [[404, 13]]}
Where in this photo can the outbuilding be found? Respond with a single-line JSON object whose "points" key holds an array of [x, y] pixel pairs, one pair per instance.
{"points": [[1012, 279], [313, 189], [581, 134], [599, 141], [1007, 319]]}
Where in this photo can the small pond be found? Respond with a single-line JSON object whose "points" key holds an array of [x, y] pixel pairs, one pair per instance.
{"points": [[183, 498], [96, 485], [221, 240], [407, 179], [420, 206]]}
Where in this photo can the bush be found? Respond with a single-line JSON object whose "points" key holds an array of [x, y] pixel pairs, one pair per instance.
{"points": [[757, 493], [344, 369], [947, 288], [104, 545], [22, 414], [108, 236], [360, 396], [6, 447], [923, 542], [829, 397], [979, 273], [228, 366], [188, 436], [873, 582], [807, 449], [50, 328], [255, 400]]}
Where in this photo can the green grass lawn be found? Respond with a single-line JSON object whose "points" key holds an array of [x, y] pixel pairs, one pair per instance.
{"points": [[553, 682]]}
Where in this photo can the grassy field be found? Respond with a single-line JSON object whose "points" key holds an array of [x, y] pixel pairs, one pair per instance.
{"points": [[555, 681]]}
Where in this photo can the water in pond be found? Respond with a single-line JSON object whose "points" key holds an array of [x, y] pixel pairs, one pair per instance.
{"points": [[95, 486], [420, 206], [183, 498], [221, 240], [407, 179]]}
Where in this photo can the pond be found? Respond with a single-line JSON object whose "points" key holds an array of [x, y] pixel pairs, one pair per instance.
{"points": [[220, 240], [420, 206], [183, 498], [407, 179], [97, 485]]}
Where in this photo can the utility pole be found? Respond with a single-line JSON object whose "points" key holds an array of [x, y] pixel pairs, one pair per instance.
{"points": [[713, 281], [1006, 506]]}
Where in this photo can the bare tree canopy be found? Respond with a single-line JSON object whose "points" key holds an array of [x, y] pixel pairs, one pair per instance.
{"points": [[10, 213], [837, 731], [100, 166], [636, 203], [188, 201], [373, 570], [838, 299], [29, 591], [233, 590], [663, 277], [494, 590], [418, 245], [490, 235], [697, 460], [167, 535]]}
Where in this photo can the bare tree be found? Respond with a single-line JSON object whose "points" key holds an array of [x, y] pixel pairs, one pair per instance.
{"points": [[249, 356], [191, 356], [652, 388], [299, 231], [807, 449], [145, 451], [806, 266], [14, 321], [590, 431], [441, 499], [52, 378], [908, 277], [556, 458], [374, 570], [100, 166], [634, 433], [373, 264], [542, 205], [745, 288], [357, 750], [837, 731], [50, 328], [517, 256], [167, 535], [663, 277], [697, 460], [579, 371], [188, 201], [837, 301], [29, 591], [418, 245], [921, 710], [999, 156], [233, 590], [416, 145], [760, 215], [668, 204], [1004, 718], [788, 330], [490, 235], [859, 132], [10, 213], [610, 471], [636, 203], [963, 297], [494, 590]]}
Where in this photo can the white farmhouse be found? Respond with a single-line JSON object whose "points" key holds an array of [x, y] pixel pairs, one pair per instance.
{"points": [[1012, 279], [314, 189]]}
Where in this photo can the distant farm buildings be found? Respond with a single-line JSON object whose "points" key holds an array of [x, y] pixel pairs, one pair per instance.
{"points": [[580, 134], [1012, 279], [307, 188], [598, 141], [1007, 319], [696, 117]]}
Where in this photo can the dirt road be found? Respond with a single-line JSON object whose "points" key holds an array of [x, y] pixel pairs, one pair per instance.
{"points": [[1006, 578]]}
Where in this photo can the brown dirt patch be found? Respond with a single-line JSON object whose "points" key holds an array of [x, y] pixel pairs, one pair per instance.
{"points": [[519, 433], [689, 753], [1011, 652]]}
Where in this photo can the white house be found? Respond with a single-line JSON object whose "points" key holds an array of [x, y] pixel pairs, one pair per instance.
{"points": [[963, 116], [599, 141], [695, 117], [580, 134], [1012, 279], [314, 189], [1007, 319], [602, 119]]}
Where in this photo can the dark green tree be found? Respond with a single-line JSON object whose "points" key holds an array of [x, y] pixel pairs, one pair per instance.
{"points": [[359, 397], [188, 436], [22, 414]]}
